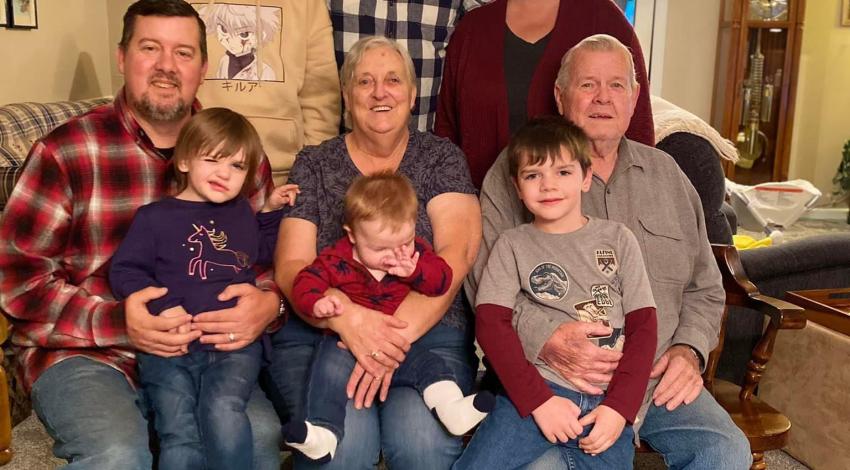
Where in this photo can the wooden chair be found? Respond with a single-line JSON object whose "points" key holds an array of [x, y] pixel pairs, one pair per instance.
{"points": [[765, 428], [5, 410]]}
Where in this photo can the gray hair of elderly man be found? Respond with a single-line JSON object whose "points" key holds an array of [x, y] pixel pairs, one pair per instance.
{"points": [[355, 55], [595, 43]]}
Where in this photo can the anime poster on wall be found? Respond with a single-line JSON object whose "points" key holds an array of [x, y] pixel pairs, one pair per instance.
{"points": [[23, 14], [244, 41]]}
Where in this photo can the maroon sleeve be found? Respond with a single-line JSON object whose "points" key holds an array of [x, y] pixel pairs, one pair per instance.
{"points": [[432, 275], [523, 383], [628, 386], [310, 285]]}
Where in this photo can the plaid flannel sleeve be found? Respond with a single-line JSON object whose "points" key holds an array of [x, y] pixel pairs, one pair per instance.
{"points": [[38, 288]]}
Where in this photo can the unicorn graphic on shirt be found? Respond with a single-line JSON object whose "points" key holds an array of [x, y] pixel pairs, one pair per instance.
{"points": [[212, 250]]}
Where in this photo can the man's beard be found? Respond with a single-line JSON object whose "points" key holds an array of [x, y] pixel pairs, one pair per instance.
{"points": [[160, 113]]}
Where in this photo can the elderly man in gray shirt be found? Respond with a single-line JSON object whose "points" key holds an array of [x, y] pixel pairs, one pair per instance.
{"points": [[644, 189]]}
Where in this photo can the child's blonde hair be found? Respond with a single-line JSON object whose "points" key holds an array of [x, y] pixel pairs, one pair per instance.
{"points": [[541, 139], [386, 196], [224, 132]]}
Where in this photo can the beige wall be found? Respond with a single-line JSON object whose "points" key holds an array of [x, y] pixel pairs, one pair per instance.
{"points": [[115, 14], [822, 115], [690, 46], [66, 58]]}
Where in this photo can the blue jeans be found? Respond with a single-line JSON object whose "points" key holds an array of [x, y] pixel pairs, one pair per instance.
{"points": [[331, 368], [98, 420], [699, 436], [505, 440], [199, 402], [402, 427]]}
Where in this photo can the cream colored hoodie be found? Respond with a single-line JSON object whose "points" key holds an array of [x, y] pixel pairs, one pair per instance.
{"points": [[291, 94]]}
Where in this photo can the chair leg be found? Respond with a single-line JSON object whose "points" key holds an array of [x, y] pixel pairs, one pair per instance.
{"points": [[758, 461], [5, 420]]}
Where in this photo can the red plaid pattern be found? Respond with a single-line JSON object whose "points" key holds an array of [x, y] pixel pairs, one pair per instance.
{"points": [[75, 199]]}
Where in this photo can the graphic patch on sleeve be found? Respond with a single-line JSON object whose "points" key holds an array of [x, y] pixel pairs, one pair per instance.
{"points": [[548, 281], [601, 296], [606, 262]]}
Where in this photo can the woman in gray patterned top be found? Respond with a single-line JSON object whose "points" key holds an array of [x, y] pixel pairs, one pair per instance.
{"points": [[378, 88]]}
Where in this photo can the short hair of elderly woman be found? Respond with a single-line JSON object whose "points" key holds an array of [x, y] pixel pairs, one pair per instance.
{"points": [[595, 43], [385, 196], [543, 139], [355, 55]]}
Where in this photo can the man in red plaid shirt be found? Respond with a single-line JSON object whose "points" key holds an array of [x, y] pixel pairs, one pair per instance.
{"points": [[74, 201]]}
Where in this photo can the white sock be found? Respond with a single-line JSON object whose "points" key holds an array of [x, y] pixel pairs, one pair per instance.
{"points": [[318, 442], [457, 413]]}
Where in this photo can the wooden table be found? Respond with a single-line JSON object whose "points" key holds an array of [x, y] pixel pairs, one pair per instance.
{"points": [[827, 307]]}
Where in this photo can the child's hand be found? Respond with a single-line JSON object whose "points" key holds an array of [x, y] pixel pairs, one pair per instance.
{"points": [[403, 263], [557, 419], [184, 328], [609, 425], [281, 196], [327, 306]]}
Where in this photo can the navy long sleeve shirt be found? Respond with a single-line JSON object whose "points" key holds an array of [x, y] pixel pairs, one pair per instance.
{"points": [[195, 249]]}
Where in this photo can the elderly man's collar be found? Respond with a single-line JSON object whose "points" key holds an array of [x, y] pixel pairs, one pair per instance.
{"points": [[626, 157]]}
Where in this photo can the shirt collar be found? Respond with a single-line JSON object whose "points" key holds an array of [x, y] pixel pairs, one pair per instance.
{"points": [[131, 125]]}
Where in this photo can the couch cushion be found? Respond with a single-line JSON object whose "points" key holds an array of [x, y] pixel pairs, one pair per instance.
{"points": [[21, 124]]}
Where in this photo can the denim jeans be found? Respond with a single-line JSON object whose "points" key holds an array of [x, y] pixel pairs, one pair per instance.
{"points": [[331, 368], [199, 402], [98, 420], [699, 436], [402, 427], [505, 440]]}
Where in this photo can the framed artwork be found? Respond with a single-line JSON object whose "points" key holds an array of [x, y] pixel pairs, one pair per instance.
{"points": [[4, 19], [845, 13], [23, 14]]}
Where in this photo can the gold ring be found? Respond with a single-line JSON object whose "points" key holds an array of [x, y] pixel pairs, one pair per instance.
{"points": [[375, 354], [231, 337]]}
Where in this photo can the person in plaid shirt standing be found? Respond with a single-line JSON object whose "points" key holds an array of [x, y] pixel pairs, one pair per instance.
{"points": [[423, 27], [75, 345]]}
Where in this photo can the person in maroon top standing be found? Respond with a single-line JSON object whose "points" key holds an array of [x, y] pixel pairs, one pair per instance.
{"points": [[500, 65]]}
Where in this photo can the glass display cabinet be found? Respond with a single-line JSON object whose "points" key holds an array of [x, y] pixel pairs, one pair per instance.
{"points": [[758, 58]]}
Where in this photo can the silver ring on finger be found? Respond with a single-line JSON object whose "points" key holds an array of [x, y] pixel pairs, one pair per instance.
{"points": [[231, 337], [374, 354]]}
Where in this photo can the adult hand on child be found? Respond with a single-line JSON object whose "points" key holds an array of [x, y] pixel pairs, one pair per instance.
{"points": [[557, 419], [577, 359], [234, 328], [373, 338], [178, 311], [327, 306], [607, 427], [362, 387], [281, 196], [403, 263], [151, 334]]}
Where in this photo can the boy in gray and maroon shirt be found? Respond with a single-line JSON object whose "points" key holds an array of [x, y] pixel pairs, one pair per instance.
{"points": [[564, 267]]}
